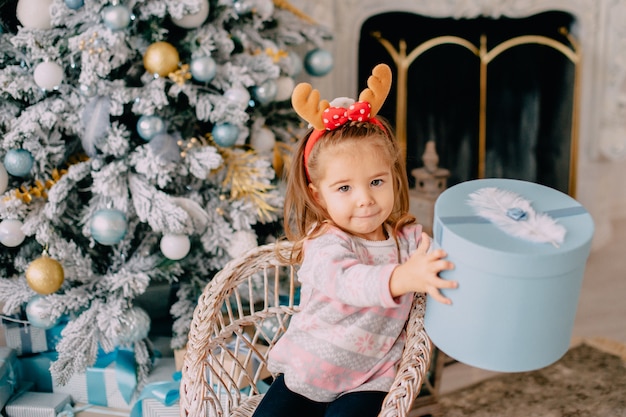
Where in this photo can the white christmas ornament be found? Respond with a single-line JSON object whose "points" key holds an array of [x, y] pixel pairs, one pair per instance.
{"points": [[263, 140], [48, 75], [11, 234], [4, 179], [194, 20], [34, 14], [175, 246], [284, 88], [241, 242]]}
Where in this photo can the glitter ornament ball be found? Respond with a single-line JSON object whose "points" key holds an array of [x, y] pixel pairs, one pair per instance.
{"points": [[150, 126], [175, 246], [203, 69], [48, 75], [116, 17], [108, 226], [74, 4], [11, 234], [38, 315], [266, 92], [133, 327], [194, 20], [18, 162], [318, 62], [225, 134], [4, 178], [45, 275], [161, 58], [34, 14]]}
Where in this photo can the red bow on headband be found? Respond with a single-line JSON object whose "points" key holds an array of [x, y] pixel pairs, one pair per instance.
{"points": [[337, 116]]}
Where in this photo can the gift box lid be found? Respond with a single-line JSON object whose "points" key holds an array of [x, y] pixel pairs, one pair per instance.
{"points": [[485, 246]]}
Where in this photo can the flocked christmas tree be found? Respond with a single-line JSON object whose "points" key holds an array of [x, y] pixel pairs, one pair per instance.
{"points": [[139, 142]]}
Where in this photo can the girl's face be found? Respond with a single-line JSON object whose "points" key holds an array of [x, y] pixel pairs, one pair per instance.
{"points": [[356, 189]]}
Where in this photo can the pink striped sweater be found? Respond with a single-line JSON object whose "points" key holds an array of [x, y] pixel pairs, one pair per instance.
{"points": [[349, 334]]}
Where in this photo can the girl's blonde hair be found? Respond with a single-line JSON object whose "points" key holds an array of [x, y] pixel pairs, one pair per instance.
{"points": [[303, 217]]}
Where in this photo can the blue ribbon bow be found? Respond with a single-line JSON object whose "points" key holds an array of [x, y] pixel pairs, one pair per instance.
{"points": [[166, 392]]}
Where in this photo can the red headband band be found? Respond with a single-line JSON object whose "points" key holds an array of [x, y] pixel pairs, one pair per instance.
{"points": [[335, 117]]}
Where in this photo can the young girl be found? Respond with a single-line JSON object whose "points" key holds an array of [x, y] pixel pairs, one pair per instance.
{"points": [[362, 259]]}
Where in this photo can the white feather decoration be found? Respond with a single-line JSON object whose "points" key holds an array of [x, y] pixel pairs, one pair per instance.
{"points": [[96, 123], [514, 215]]}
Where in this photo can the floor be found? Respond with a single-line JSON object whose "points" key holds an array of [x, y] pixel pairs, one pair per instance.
{"points": [[601, 309]]}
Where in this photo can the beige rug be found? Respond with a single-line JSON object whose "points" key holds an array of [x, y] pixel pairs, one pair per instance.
{"points": [[590, 381]]}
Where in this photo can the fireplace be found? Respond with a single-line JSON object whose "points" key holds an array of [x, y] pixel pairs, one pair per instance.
{"points": [[586, 129], [496, 96]]}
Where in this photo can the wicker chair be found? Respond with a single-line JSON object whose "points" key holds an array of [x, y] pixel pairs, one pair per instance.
{"points": [[241, 314]]}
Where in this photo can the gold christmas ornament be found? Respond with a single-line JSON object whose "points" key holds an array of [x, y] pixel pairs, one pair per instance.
{"points": [[161, 58], [45, 275]]}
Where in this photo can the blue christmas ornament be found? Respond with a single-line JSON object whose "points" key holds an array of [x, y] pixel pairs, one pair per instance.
{"points": [[225, 134], [108, 226], [203, 69], [266, 92], [318, 62], [116, 17], [18, 162], [149, 126], [38, 315], [74, 4]]}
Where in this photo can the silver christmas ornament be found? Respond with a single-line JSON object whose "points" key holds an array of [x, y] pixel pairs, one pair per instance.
{"points": [[318, 62], [149, 126], [74, 4], [18, 162], [38, 315], [116, 17], [266, 92], [225, 134], [108, 226], [203, 69]]}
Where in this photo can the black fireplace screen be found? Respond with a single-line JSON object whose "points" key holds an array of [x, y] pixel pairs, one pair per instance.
{"points": [[498, 96]]}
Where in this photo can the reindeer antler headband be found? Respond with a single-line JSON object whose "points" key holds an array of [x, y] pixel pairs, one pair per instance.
{"points": [[323, 117]]}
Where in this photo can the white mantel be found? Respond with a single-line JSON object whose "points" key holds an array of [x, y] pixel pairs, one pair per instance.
{"points": [[601, 34]]}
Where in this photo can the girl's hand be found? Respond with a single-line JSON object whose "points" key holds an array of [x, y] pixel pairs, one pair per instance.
{"points": [[420, 273]]}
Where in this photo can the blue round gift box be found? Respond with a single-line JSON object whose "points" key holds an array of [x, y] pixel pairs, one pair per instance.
{"points": [[515, 306]]}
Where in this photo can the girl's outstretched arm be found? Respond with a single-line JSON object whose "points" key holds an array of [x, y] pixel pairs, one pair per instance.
{"points": [[420, 273]]}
